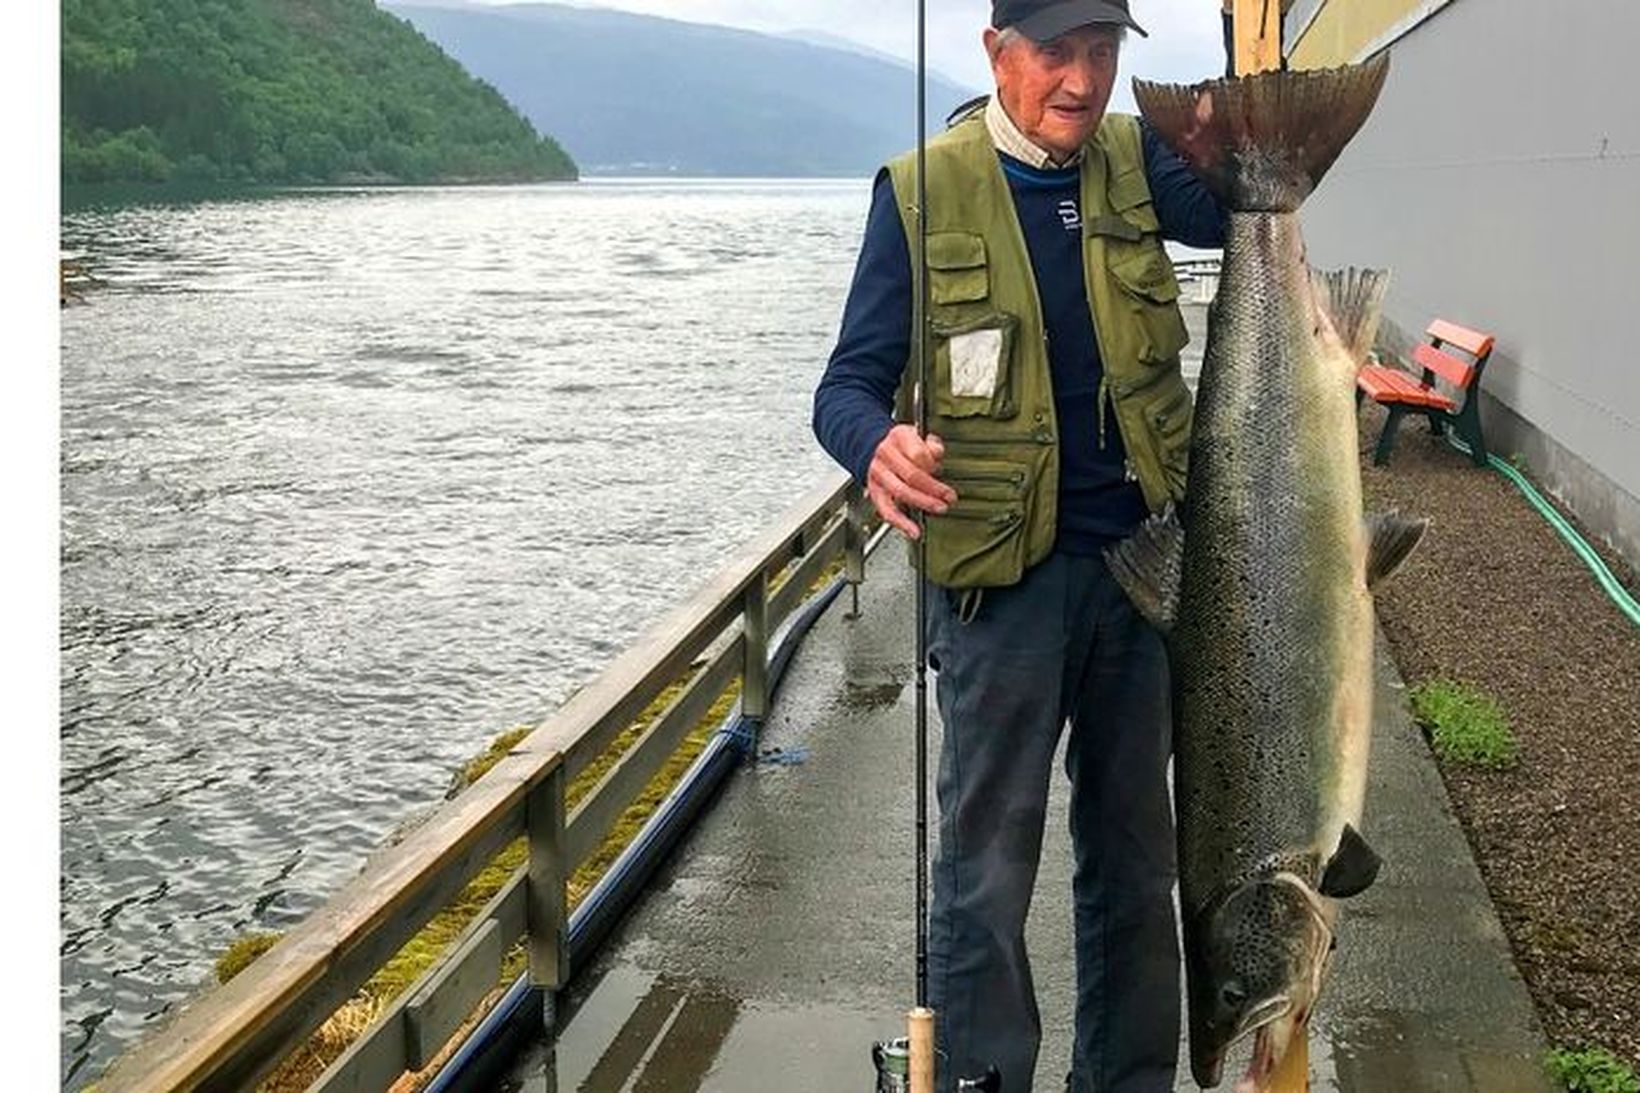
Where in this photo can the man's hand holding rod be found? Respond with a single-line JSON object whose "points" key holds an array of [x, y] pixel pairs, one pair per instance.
{"points": [[904, 475]]}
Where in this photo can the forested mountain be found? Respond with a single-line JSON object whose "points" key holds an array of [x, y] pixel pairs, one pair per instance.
{"points": [[278, 91], [638, 94]]}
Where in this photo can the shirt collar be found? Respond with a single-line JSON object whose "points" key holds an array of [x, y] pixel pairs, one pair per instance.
{"points": [[1010, 141]]}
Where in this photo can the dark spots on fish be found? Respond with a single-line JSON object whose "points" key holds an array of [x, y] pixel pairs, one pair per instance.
{"points": [[1254, 944]]}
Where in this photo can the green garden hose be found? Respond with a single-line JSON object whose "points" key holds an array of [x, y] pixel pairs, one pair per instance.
{"points": [[1619, 595]]}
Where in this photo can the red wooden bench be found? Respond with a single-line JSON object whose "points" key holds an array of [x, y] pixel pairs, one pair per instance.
{"points": [[1446, 390]]}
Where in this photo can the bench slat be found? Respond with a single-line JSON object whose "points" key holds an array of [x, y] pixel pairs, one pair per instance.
{"points": [[1445, 365], [1473, 342], [1393, 385]]}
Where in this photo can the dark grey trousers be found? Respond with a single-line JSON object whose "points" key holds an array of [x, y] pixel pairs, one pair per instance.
{"points": [[1064, 645]]}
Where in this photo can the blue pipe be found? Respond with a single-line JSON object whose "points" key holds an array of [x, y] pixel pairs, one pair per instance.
{"points": [[518, 1016]]}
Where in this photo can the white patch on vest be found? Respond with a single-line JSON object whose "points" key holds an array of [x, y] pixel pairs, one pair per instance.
{"points": [[976, 357], [1072, 217]]}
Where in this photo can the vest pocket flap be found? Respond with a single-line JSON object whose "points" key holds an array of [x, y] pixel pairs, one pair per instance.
{"points": [[957, 272], [1146, 279], [955, 250], [1130, 198], [980, 544], [985, 479], [1148, 274]]}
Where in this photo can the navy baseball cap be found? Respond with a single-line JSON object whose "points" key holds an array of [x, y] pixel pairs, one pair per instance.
{"points": [[1044, 20]]}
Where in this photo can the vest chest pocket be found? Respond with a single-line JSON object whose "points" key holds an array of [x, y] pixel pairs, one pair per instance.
{"points": [[957, 273], [972, 365], [1145, 276]]}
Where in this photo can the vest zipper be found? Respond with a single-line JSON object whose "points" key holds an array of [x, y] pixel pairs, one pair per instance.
{"points": [[1100, 403], [997, 519]]}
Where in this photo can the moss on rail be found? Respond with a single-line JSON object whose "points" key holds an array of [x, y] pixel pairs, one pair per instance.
{"points": [[328, 1043], [435, 939]]}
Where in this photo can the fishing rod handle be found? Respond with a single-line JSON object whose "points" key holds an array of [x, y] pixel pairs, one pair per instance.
{"points": [[920, 1031]]}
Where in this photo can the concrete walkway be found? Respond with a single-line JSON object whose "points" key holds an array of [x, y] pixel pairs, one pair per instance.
{"points": [[779, 944]]}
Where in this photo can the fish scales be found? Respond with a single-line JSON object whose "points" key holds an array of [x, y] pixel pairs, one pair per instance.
{"points": [[1272, 621], [1261, 580]]}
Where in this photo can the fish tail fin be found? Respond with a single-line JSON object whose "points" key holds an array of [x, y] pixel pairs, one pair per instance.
{"points": [[1262, 143], [1353, 299]]}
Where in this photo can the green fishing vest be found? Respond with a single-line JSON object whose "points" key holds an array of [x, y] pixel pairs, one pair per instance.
{"points": [[991, 396]]}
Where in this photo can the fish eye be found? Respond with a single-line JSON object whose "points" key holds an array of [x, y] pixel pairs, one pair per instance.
{"points": [[1233, 994]]}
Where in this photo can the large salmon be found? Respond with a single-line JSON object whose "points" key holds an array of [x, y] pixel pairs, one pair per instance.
{"points": [[1261, 580]]}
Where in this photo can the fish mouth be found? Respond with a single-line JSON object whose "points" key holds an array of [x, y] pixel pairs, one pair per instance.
{"points": [[1209, 1070], [1263, 1064], [1262, 1014], [1270, 1047]]}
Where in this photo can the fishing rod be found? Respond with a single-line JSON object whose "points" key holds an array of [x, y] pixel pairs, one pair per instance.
{"points": [[920, 1020], [907, 1065]]}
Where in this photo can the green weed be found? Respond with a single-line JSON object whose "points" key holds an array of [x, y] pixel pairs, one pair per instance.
{"points": [[1465, 725], [240, 954], [1591, 1070]]}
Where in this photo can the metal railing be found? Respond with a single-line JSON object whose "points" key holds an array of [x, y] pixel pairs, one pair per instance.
{"points": [[235, 1035]]}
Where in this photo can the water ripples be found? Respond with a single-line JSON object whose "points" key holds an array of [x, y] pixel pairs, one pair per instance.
{"points": [[353, 481]]}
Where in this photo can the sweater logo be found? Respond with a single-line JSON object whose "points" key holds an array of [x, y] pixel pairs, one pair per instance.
{"points": [[1070, 215]]}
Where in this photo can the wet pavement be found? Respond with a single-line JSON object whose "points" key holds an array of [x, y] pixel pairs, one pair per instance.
{"points": [[779, 943]]}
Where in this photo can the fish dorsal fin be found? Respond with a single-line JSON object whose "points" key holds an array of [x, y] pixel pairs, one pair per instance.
{"points": [[1390, 538], [1147, 565], [1352, 299], [1352, 868], [1261, 143]]}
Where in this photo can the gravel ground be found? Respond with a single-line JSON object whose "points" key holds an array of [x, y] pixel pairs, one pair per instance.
{"points": [[1495, 598]]}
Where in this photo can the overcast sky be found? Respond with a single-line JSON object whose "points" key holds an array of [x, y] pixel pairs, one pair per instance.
{"points": [[1185, 42]]}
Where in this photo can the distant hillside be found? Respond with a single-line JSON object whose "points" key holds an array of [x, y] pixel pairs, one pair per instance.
{"points": [[638, 94], [278, 91]]}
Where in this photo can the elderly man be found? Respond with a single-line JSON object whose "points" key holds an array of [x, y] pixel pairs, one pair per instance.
{"points": [[1057, 420]]}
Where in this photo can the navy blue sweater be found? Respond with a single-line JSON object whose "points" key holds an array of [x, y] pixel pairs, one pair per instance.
{"points": [[854, 402]]}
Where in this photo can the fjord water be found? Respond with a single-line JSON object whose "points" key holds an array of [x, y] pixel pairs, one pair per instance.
{"points": [[352, 481]]}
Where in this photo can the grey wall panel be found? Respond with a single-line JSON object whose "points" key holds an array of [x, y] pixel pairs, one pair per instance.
{"points": [[1499, 178]]}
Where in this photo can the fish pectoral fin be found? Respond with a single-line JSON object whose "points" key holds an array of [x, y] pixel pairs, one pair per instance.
{"points": [[1147, 565], [1390, 538], [1352, 868]]}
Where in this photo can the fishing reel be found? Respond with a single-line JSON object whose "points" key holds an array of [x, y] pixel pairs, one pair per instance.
{"points": [[892, 1059]]}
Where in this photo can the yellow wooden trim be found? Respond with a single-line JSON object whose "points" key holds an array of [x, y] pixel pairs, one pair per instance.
{"points": [[1257, 35]]}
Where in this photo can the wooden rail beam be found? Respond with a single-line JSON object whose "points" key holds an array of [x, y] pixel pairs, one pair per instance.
{"points": [[237, 1033], [546, 916], [754, 672], [234, 1035], [584, 726]]}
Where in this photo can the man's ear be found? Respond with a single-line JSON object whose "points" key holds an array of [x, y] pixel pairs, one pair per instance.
{"points": [[993, 42]]}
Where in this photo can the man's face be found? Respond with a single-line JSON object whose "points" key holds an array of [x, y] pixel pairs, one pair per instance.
{"points": [[1056, 91]]}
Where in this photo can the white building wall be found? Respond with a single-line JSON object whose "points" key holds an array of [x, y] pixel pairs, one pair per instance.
{"points": [[1499, 179]]}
